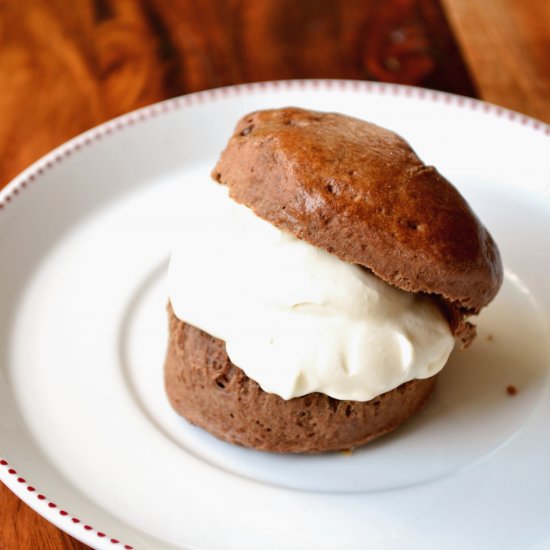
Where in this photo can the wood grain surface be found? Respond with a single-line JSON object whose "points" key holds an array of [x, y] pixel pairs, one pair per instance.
{"points": [[68, 65], [506, 44]]}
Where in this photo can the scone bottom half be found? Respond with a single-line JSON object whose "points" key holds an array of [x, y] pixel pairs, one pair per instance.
{"points": [[360, 192], [209, 391]]}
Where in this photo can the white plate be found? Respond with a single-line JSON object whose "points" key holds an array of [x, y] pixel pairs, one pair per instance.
{"points": [[86, 435]]}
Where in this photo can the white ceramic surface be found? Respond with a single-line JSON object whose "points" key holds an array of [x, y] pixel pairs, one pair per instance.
{"points": [[86, 435]]}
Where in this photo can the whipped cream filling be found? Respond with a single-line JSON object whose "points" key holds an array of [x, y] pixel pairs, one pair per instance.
{"points": [[294, 317]]}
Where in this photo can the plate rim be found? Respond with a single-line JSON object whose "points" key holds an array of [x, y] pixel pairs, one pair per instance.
{"points": [[14, 479], [45, 163]]}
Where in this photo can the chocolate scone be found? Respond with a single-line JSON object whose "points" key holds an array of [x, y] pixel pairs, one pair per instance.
{"points": [[360, 193]]}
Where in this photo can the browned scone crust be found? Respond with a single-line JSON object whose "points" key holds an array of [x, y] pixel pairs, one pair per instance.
{"points": [[360, 192], [208, 390]]}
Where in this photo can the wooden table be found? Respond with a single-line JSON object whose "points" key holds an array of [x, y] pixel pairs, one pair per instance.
{"points": [[66, 66]]}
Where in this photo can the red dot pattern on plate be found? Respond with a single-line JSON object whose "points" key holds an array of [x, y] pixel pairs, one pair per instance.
{"points": [[52, 506], [96, 134]]}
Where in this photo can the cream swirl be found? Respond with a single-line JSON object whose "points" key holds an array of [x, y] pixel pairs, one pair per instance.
{"points": [[294, 317]]}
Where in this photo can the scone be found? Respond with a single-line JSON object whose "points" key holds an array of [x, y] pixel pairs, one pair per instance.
{"points": [[319, 292]]}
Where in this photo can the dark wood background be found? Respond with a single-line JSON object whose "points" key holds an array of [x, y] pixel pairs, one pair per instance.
{"points": [[68, 65]]}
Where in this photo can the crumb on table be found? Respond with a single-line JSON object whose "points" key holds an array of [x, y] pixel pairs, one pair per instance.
{"points": [[511, 390], [489, 337]]}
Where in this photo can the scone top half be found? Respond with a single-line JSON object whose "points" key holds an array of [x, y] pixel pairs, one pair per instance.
{"points": [[360, 192]]}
